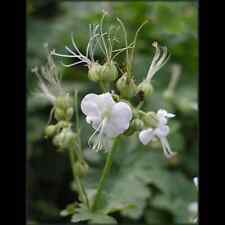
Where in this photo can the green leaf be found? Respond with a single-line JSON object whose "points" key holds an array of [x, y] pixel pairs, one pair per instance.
{"points": [[84, 214]]}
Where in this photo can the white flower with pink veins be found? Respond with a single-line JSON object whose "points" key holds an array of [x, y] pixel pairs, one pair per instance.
{"points": [[107, 117], [160, 132]]}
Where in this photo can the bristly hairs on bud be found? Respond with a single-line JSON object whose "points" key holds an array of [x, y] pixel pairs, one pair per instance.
{"points": [[88, 59], [49, 80], [160, 58]]}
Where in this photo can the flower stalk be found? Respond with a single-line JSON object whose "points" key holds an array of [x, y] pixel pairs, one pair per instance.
{"points": [[105, 174]]}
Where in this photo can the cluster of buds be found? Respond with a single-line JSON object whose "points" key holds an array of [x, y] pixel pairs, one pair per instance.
{"points": [[61, 133]]}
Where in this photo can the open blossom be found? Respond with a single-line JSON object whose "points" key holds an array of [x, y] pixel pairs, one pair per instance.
{"points": [[160, 132], [107, 117]]}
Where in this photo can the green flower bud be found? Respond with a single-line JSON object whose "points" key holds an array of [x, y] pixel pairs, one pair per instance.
{"points": [[109, 72], [94, 72], [150, 119], [65, 139], [144, 89], [63, 102], [69, 113], [126, 86], [81, 168], [135, 125], [50, 130], [69, 138], [59, 114], [58, 140]]}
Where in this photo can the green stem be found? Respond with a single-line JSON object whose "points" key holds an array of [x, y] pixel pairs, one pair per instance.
{"points": [[81, 189], [104, 175]]}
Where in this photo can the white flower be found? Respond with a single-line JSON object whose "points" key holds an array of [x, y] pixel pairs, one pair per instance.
{"points": [[108, 118], [160, 132]]}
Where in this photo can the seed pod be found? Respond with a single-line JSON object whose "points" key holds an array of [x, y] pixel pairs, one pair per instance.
{"points": [[94, 72], [144, 89], [109, 72], [126, 86]]}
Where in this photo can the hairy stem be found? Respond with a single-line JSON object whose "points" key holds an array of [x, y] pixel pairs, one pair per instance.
{"points": [[81, 190]]}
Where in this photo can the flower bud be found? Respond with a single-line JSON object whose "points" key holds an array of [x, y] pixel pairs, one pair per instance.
{"points": [[59, 114], [144, 89], [69, 138], [109, 72], [137, 124], [65, 139], [58, 140], [81, 168], [94, 72], [126, 86], [50, 130], [64, 102], [69, 113], [150, 119]]}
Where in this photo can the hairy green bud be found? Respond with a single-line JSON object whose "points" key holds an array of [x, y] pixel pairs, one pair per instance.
{"points": [[150, 119], [94, 72], [59, 114], [65, 139], [144, 89], [81, 168], [126, 86], [109, 72], [63, 108], [50, 130]]}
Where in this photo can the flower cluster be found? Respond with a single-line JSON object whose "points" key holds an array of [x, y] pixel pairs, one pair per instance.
{"points": [[112, 113]]}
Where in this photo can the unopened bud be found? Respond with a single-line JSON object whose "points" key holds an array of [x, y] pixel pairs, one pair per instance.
{"points": [[81, 168], [59, 114], [69, 113], [109, 72], [126, 86], [150, 119], [94, 72], [50, 131], [144, 89]]}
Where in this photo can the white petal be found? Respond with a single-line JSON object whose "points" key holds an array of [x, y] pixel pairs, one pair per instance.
{"points": [[105, 102], [161, 113], [195, 179], [166, 148], [89, 106], [162, 131], [146, 136], [170, 115], [119, 120]]}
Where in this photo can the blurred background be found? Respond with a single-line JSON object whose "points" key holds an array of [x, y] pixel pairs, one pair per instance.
{"points": [[162, 190]]}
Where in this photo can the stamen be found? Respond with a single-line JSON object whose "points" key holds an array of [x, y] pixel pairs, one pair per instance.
{"points": [[166, 148]]}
